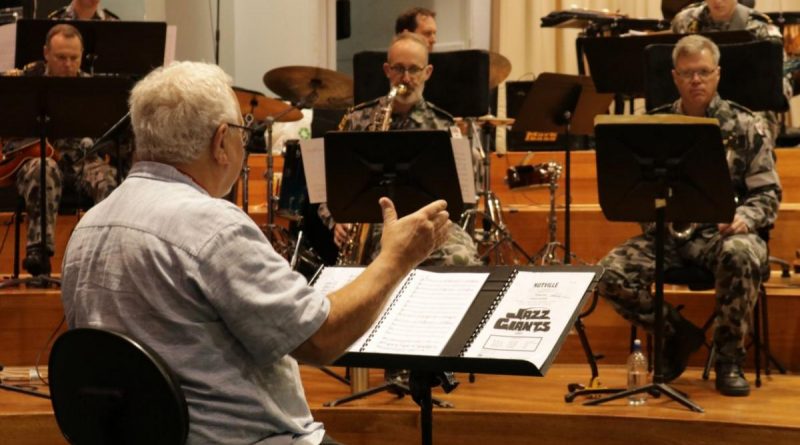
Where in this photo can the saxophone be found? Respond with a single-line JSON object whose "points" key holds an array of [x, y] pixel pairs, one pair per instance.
{"points": [[357, 244]]}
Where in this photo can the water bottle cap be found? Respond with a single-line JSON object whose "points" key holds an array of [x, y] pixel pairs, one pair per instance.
{"points": [[637, 345]]}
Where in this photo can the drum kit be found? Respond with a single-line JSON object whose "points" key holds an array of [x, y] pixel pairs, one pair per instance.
{"points": [[306, 87]]}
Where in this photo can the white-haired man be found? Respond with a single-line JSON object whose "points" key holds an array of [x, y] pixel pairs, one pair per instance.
{"points": [[167, 261]]}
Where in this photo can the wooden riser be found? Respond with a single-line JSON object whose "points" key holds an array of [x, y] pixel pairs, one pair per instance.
{"points": [[28, 318]]}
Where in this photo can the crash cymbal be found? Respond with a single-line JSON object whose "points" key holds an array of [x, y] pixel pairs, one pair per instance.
{"points": [[295, 83], [499, 69], [261, 107]]}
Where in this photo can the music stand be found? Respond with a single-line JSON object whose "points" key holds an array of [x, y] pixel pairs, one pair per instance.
{"points": [[109, 47], [45, 107], [465, 71], [411, 167], [556, 103], [606, 56], [758, 64], [661, 168]]}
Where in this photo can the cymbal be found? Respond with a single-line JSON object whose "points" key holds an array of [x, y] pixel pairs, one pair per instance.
{"points": [[295, 83], [262, 107], [499, 69]]}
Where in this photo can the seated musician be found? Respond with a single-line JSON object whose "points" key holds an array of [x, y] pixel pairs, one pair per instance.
{"points": [[734, 252], [418, 20], [729, 15], [83, 10], [63, 51], [165, 260], [407, 63]]}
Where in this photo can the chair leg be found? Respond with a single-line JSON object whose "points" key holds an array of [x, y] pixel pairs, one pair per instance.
{"points": [[757, 339], [768, 357]]}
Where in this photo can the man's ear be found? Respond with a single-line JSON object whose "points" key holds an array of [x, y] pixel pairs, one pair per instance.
{"points": [[386, 69], [428, 71], [218, 145]]}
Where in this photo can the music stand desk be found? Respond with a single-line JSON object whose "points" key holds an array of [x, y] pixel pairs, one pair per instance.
{"points": [[110, 47], [617, 63], [410, 167]]}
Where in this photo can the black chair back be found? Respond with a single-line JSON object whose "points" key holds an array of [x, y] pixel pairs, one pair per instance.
{"points": [[107, 388]]}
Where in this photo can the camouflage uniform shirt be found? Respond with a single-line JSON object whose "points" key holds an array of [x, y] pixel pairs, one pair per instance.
{"points": [[68, 13]]}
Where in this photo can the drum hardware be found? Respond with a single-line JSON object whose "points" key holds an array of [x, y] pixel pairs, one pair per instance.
{"points": [[495, 238], [547, 254]]}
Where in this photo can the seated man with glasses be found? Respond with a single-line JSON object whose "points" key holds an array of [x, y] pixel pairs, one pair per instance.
{"points": [[407, 63], [734, 252]]}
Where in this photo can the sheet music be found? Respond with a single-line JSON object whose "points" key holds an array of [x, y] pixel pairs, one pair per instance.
{"points": [[531, 316], [8, 42], [313, 152], [426, 312], [335, 278], [466, 175]]}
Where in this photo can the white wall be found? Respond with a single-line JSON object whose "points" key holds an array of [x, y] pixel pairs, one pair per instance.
{"points": [[461, 24]]}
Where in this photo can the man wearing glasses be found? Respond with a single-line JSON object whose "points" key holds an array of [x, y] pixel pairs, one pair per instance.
{"points": [[734, 252], [407, 63]]}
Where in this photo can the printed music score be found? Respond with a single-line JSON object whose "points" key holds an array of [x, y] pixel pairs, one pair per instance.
{"points": [[424, 313], [531, 316]]}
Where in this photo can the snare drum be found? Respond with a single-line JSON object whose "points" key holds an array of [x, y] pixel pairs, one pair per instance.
{"points": [[535, 175], [293, 196]]}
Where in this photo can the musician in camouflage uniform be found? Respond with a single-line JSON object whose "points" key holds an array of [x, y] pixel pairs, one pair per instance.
{"points": [[734, 252], [729, 15], [93, 176], [83, 10], [407, 62]]}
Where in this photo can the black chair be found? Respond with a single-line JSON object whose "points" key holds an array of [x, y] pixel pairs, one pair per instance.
{"points": [[107, 388]]}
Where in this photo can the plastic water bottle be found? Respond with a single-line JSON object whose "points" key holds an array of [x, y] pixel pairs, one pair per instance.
{"points": [[637, 373]]}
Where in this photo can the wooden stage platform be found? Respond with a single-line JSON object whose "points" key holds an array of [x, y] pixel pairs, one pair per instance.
{"points": [[512, 410]]}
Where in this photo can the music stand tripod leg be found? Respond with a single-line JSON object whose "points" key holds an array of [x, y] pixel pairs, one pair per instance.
{"points": [[389, 386]]}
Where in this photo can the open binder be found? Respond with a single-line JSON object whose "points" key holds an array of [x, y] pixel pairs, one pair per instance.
{"points": [[494, 320]]}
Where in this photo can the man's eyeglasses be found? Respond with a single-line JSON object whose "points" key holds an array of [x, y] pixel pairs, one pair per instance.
{"points": [[703, 74], [401, 70], [245, 133]]}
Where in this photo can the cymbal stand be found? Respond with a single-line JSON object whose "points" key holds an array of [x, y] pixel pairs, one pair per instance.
{"points": [[248, 121], [277, 236], [547, 254], [495, 233]]}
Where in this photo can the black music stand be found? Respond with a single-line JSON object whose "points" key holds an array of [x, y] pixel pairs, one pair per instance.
{"points": [[426, 371], [46, 107], [411, 167], [607, 57], [562, 103], [664, 168], [759, 65], [110, 47], [465, 72]]}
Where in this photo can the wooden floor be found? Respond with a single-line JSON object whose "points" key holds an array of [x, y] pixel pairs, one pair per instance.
{"points": [[513, 410]]}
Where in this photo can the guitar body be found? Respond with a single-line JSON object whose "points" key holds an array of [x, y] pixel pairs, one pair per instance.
{"points": [[13, 159]]}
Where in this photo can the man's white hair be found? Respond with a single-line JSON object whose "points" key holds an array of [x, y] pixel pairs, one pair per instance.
{"points": [[175, 111], [692, 45]]}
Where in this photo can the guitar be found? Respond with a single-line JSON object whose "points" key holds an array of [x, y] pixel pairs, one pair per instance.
{"points": [[16, 153]]}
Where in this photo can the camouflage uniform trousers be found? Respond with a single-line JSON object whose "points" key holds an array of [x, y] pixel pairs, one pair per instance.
{"points": [[98, 180], [737, 263]]}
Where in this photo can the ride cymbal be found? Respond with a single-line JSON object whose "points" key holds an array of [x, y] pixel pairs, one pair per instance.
{"points": [[333, 89]]}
